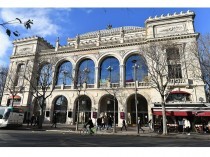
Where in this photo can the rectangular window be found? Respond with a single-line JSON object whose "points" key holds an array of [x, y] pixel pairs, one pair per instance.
{"points": [[173, 54], [174, 71]]}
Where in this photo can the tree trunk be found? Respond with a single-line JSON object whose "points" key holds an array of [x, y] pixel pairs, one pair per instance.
{"points": [[165, 132], [41, 118]]}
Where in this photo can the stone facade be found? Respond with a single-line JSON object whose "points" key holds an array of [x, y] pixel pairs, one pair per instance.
{"points": [[116, 42]]}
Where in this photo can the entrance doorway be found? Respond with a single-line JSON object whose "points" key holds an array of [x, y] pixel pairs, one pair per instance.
{"points": [[60, 108], [107, 107], [84, 109], [142, 109]]}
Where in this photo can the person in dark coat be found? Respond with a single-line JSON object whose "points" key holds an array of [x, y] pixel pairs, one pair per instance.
{"points": [[109, 124], [33, 118], [54, 119], [139, 125], [90, 123], [123, 125], [99, 123]]}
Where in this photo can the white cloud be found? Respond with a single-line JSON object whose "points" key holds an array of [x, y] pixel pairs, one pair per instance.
{"points": [[43, 24]]}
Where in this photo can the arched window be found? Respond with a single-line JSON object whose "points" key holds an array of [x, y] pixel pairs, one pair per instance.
{"points": [[109, 70], [60, 104], [20, 74], [141, 72], [45, 75], [64, 74], [86, 72]]}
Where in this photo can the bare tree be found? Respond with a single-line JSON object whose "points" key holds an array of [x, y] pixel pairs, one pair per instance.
{"points": [[27, 24], [3, 76], [112, 89], [14, 83], [163, 61], [201, 51], [39, 75]]}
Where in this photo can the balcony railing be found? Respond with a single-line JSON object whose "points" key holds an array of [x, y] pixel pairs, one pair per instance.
{"points": [[106, 85], [67, 87], [178, 82], [139, 84]]}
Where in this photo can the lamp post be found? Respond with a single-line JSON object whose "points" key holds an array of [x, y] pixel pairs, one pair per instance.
{"points": [[109, 68], [64, 76], [83, 108], [135, 66], [86, 72], [79, 89]]}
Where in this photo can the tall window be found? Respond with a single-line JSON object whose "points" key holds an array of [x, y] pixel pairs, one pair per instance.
{"points": [[64, 74], [86, 71], [60, 104], [110, 70], [45, 75], [174, 64], [141, 72], [20, 73]]}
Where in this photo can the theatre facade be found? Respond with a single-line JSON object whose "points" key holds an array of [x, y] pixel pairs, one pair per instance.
{"points": [[102, 63]]}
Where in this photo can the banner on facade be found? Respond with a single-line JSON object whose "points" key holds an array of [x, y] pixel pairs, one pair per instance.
{"points": [[122, 115], [94, 114]]}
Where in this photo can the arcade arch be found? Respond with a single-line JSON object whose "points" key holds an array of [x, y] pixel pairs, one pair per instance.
{"points": [[142, 108]]}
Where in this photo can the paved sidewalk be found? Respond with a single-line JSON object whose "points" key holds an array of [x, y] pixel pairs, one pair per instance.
{"points": [[131, 131]]}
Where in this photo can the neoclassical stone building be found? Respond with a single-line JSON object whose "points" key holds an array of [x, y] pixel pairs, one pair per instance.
{"points": [[107, 55]]}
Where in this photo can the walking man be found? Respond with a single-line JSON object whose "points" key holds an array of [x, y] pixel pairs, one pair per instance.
{"points": [[139, 125], [33, 118], [54, 119], [123, 125]]}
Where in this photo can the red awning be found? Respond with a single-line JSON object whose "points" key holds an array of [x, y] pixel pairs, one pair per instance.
{"points": [[179, 92], [15, 97], [183, 113]]}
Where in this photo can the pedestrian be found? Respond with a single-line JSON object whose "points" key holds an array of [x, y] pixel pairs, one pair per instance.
{"points": [[123, 125], [180, 125], [90, 123], [54, 119], [102, 122], [150, 125], [99, 123], [105, 121], [187, 126], [33, 118], [139, 125], [109, 122], [36, 123]]}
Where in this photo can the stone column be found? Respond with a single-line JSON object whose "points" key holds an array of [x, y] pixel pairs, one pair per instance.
{"points": [[122, 75], [96, 77]]}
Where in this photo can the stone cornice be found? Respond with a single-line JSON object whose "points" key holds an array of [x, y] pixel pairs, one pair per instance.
{"points": [[33, 38], [53, 52]]}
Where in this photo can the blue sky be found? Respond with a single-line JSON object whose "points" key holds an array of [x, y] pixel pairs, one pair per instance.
{"points": [[51, 23]]}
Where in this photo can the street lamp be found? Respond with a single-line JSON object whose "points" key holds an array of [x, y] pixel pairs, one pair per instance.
{"points": [[109, 102], [64, 76], [109, 68], [83, 108], [86, 72], [135, 66]]}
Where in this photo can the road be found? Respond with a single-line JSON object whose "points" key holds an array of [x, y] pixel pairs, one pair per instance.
{"points": [[27, 138]]}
